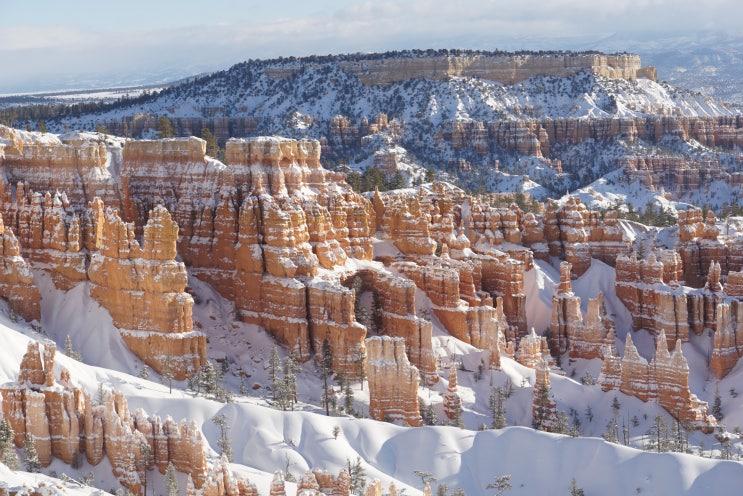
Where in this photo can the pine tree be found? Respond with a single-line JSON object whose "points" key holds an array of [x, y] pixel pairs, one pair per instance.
{"points": [[326, 362], [70, 351], [274, 365], [224, 443], [212, 148], [41, 126], [497, 411], [500, 484], [8, 456], [716, 409], [31, 456], [574, 489], [164, 128], [357, 474], [348, 399], [659, 435], [171, 480]]}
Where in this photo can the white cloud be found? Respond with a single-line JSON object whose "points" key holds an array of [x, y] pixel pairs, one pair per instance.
{"points": [[245, 31]]}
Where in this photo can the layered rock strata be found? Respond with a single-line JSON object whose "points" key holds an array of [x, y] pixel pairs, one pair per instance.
{"points": [[654, 305], [664, 380], [504, 68], [568, 331], [393, 382], [16, 280], [143, 288], [65, 423]]}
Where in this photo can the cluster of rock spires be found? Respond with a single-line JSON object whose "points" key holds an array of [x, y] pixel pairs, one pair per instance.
{"points": [[287, 241], [66, 423]]}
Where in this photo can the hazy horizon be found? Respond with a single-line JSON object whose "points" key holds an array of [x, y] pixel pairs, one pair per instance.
{"points": [[89, 44]]}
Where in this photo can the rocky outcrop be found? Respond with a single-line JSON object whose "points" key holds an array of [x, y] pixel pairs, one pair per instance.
{"points": [[532, 349], [664, 380], [544, 409], [393, 382], [699, 246], [504, 68], [654, 305], [16, 280], [568, 331], [143, 288], [452, 401], [65, 423], [726, 342], [396, 297]]}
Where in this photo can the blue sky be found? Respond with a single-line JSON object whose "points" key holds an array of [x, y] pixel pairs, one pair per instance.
{"points": [[49, 44]]}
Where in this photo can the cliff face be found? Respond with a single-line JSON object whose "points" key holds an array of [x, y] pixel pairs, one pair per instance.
{"points": [[506, 68], [393, 382], [143, 288]]}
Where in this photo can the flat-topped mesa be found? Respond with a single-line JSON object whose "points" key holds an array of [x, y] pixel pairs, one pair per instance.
{"points": [[506, 68], [393, 382], [665, 380], [653, 304], [76, 163], [144, 290], [16, 280]]}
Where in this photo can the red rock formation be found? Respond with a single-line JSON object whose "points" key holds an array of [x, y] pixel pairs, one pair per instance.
{"points": [[452, 401], [665, 380], [16, 280], [699, 246], [143, 289], [64, 423], [654, 305], [532, 349], [393, 382], [396, 297], [726, 347], [330, 485], [49, 234], [544, 409]]}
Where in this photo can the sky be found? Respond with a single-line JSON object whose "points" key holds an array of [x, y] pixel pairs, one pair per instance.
{"points": [[53, 44]]}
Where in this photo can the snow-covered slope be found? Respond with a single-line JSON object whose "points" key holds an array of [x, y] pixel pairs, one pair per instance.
{"points": [[265, 439]]}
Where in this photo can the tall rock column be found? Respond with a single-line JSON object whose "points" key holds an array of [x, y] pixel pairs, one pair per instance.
{"points": [[393, 382], [144, 290]]}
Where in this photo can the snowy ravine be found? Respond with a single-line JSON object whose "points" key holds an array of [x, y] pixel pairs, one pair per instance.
{"points": [[265, 440]]}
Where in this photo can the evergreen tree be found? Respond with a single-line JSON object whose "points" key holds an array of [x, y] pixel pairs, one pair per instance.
{"points": [[31, 456], [574, 489], [500, 484], [171, 480], [659, 435], [497, 411], [274, 365], [326, 363], [164, 128], [70, 351], [716, 409], [291, 367], [357, 474], [8, 456], [360, 362], [41, 126], [542, 410], [224, 443], [212, 148], [348, 399]]}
